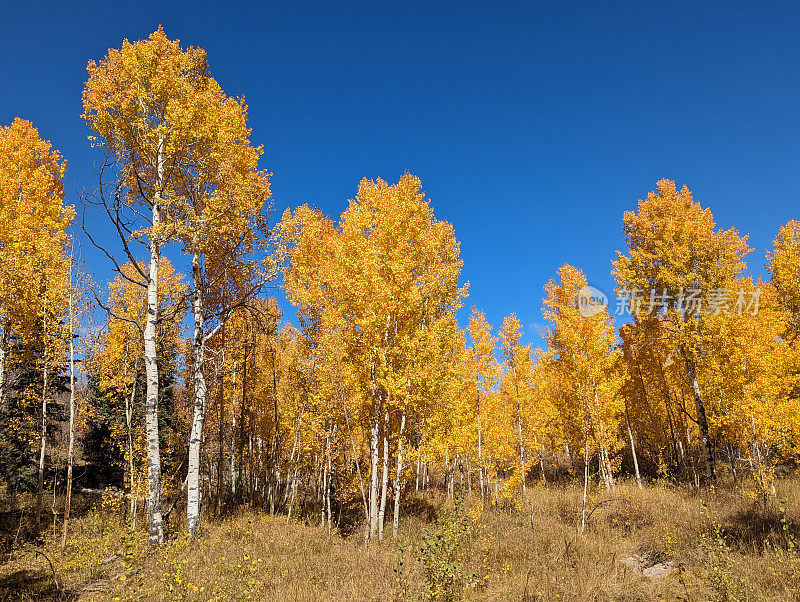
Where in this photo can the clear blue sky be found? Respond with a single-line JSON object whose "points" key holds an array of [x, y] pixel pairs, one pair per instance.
{"points": [[533, 125]]}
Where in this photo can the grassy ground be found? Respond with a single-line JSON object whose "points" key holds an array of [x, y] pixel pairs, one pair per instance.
{"points": [[722, 545]]}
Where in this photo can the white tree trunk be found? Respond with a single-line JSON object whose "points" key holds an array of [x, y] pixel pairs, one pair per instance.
{"points": [[155, 523], [521, 447], [399, 476], [193, 492], [385, 476], [519, 432], [373, 476], [702, 421], [129, 425], [605, 468], [480, 456], [329, 475], [234, 469], [71, 448], [585, 485], [633, 452], [42, 443], [3, 341]]}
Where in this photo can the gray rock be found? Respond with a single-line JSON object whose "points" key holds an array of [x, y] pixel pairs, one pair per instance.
{"points": [[641, 565], [660, 569]]}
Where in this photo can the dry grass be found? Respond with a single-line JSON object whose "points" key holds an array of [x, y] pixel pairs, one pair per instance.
{"points": [[725, 546]]}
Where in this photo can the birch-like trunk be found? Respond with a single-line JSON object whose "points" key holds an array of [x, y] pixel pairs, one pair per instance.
{"points": [[765, 482], [240, 470], [519, 432], [71, 448], [276, 442], [540, 453], [294, 493], [329, 479], [374, 453], [732, 462], [3, 343], [129, 426], [702, 421], [605, 468], [292, 457], [585, 485], [521, 448], [601, 469], [480, 456], [42, 445], [234, 472], [397, 481], [221, 455], [193, 492], [155, 523], [385, 475], [633, 452]]}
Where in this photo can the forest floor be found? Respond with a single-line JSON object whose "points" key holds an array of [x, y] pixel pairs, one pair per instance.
{"points": [[717, 544]]}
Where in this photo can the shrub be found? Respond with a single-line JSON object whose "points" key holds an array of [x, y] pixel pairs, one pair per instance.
{"points": [[443, 553]]}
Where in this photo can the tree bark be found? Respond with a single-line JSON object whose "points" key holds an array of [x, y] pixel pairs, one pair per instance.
{"points": [[480, 456], [541, 464], [240, 471], [221, 455], [129, 401], [276, 442], [633, 451], [702, 421], [328, 480], [521, 448], [234, 469], [193, 492], [3, 345], [585, 484], [71, 448], [385, 476], [519, 432], [374, 452], [397, 481], [42, 443], [155, 523]]}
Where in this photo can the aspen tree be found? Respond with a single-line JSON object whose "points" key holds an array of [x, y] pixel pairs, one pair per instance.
{"points": [[581, 348], [381, 278], [116, 364], [748, 369], [784, 266], [33, 223], [675, 256], [484, 374], [516, 358], [162, 120], [33, 265]]}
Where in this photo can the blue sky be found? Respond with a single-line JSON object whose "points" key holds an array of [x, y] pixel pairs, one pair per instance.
{"points": [[532, 125]]}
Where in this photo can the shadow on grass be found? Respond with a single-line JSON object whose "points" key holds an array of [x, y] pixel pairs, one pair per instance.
{"points": [[351, 517], [32, 585], [421, 507], [755, 527]]}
